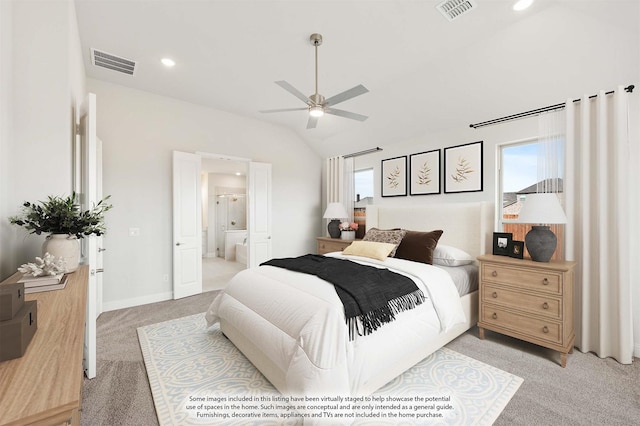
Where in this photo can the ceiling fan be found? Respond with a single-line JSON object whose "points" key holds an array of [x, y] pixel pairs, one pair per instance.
{"points": [[317, 105]]}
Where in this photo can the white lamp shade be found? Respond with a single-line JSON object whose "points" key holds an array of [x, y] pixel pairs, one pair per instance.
{"points": [[543, 208], [335, 211]]}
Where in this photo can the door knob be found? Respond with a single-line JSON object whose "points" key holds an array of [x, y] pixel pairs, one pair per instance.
{"points": [[177, 244], [101, 249]]}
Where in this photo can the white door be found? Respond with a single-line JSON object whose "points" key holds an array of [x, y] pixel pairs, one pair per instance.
{"points": [[88, 198], [187, 225], [100, 239], [259, 213]]}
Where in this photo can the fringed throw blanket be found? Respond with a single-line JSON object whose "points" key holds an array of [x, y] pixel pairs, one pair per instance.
{"points": [[371, 296]]}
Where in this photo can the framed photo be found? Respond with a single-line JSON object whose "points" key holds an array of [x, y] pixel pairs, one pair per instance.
{"points": [[463, 168], [424, 173], [394, 177], [501, 243], [516, 249]]}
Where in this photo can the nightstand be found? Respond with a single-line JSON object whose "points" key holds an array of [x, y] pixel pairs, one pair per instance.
{"points": [[531, 301], [327, 244]]}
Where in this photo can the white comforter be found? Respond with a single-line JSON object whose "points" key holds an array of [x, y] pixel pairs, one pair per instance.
{"points": [[297, 321]]}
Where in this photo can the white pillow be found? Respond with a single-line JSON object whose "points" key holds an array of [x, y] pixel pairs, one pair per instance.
{"points": [[450, 256]]}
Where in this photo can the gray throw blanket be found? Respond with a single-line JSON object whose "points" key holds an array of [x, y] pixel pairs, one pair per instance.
{"points": [[371, 296]]}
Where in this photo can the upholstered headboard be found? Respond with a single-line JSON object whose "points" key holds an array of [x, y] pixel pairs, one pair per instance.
{"points": [[468, 226]]}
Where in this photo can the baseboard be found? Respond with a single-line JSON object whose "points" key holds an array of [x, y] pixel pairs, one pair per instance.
{"points": [[136, 301]]}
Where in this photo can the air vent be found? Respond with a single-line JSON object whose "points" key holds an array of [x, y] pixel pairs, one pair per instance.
{"points": [[452, 9], [112, 62]]}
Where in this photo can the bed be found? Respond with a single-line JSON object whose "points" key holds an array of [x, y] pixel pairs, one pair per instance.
{"points": [[291, 326]]}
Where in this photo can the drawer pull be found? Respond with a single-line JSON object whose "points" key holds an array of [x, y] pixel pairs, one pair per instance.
{"points": [[545, 329], [545, 305], [495, 295], [494, 316], [494, 274], [545, 281]]}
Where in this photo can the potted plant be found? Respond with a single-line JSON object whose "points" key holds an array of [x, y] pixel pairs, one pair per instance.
{"points": [[348, 230], [65, 222]]}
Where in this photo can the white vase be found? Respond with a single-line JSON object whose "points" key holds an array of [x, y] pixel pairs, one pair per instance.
{"points": [[348, 235], [63, 246]]}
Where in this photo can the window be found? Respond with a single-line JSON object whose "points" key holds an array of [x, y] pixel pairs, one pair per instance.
{"points": [[363, 184], [523, 167], [363, 189]]}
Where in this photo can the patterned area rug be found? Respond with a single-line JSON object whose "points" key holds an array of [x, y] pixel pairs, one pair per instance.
{"points": [[198, 377]]}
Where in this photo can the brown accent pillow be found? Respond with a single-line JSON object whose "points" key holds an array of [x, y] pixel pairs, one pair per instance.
{"points": [[391, 236], [418, 246]]}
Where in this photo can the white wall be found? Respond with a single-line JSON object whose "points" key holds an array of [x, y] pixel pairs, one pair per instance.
{"points": [[43, 80], [139, 130], [7, 258]]}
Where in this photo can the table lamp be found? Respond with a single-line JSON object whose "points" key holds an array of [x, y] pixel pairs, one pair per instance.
{"points": [[335, 212], [543, 208]]}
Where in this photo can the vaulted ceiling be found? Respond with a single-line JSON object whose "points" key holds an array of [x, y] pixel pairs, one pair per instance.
{"points": [[424, 73]]}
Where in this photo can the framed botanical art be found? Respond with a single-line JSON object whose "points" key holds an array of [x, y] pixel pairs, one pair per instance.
{"points": [[394, 177], [424, 173], [463, 168]]}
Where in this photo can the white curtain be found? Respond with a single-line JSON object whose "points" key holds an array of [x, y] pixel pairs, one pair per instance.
{"points": [[551, 146], [597, 191], [340, 183]]}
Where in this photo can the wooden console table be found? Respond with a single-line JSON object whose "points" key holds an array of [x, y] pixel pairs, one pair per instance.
{"points": [[44, 386]]}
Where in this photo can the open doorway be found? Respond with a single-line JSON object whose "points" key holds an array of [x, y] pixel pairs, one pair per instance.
{"points": [[188, 235], [224, 221]]}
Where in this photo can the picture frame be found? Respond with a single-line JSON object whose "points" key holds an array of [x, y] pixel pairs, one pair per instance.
{"points": [[394, 177], [424, 173], [516, 249], [463, 168], [502, 241]]}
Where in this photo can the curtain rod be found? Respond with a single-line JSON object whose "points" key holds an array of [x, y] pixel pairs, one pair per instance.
{"points": [[537, 111], [366, 151]]}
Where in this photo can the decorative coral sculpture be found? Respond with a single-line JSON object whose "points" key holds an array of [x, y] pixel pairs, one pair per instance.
{"points": [[43, 266]]}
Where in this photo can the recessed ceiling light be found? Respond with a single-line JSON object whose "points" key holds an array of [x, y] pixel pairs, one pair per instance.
{"points": [[168, 62], [522, 4]]}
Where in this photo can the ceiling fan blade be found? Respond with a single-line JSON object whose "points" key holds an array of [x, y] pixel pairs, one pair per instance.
{"points": [[313, 121], [345, 114], [347, 94], [295, 92], [284, 110]]}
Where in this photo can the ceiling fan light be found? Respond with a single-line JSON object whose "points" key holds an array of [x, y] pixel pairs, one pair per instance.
{"points": [[316, 111]]}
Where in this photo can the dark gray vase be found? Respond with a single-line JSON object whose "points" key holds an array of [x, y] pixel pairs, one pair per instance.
{"points": [[541, 243], [334, 228]]}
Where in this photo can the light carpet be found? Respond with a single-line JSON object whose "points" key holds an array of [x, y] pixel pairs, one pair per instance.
{"points": [[198, 377]]}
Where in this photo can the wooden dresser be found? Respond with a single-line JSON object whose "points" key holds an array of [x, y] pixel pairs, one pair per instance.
{"points": [[44, 386], [327, 244], [529, 300]]}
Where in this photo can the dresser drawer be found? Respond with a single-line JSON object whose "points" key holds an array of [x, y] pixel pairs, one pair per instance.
{"points": [[548, 282], [539, 304], [531, 327], [327, 246]]}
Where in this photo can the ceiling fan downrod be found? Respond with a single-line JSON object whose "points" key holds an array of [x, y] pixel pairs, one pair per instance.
{"points": [[316, 40]]}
